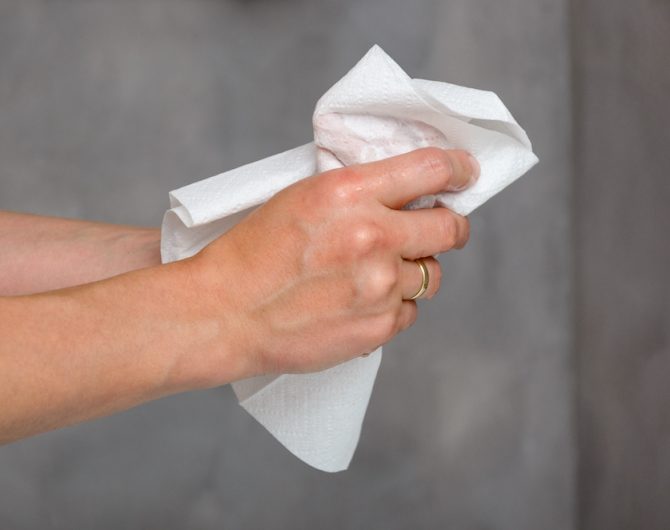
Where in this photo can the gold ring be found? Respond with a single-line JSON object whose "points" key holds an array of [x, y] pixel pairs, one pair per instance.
{"points": [[425, 278]]}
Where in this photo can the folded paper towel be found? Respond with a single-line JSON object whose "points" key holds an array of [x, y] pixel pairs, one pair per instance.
{"points": [[373, 112]]}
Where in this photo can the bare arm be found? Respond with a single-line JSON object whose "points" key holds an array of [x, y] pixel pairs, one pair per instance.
{"points": [[289, 289], [82, 352], [44, 253]]}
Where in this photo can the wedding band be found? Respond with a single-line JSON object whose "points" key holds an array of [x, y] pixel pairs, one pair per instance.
{"points": [[425, 278]]}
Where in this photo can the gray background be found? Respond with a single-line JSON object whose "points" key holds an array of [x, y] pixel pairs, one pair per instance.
{"points": [[622, 256], [531, 392]]}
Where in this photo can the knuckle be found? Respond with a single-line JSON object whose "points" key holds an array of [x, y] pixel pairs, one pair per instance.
{"points": [[383, 280], [365, 237], [438, 162], [345, 185]]}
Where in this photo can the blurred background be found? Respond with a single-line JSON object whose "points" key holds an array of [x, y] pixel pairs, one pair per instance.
{"points": [[533, 393]]}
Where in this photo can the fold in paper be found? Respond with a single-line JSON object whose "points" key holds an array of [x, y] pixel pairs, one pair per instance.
{"points": [[376, 110]]}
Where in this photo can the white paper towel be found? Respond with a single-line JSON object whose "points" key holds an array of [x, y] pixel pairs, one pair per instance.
{"points": [[373, 112]]}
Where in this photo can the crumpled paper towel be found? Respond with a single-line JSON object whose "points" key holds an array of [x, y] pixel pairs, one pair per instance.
{"points": [[375, 111]]}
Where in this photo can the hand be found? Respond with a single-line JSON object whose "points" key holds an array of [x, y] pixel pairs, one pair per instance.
{"points": [[323, 271], [318, 275]]}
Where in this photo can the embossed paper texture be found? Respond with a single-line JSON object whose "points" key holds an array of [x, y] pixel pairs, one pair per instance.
{"points": [[375, 111]]}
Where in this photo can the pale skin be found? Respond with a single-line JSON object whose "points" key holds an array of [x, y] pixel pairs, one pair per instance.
{"points": [[320, 274]]}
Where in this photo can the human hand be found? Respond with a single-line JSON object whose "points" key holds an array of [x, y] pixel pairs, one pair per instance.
{"points": [[319, 274], [323, 271]]}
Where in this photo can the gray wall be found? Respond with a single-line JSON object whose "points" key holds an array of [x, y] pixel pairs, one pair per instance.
{"points": [[623, 258], [105, 106]]}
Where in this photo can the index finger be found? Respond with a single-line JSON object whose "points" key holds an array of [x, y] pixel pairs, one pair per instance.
{"points": [[400, 179]]}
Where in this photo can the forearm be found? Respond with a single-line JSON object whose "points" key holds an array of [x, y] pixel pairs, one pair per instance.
{"points": [[84, 352], [43, 253], [288, 289]]}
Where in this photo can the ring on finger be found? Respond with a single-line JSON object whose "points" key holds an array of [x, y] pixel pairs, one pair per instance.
{"points": [[425, 278]]}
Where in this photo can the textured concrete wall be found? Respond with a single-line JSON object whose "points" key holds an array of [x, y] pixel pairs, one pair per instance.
{"points": [[623, 261], [105, 106]]}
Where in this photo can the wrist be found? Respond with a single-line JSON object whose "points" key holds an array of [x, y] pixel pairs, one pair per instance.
{"points": [[213, 349], [139, 247]]}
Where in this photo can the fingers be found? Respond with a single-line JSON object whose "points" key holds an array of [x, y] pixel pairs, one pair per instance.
{"points": [[397, 180], [429, 231], [408, 314], [412, 278]]}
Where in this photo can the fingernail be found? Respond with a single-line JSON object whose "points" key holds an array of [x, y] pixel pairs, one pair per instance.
{"points": [[476, 169], [474, 175]]}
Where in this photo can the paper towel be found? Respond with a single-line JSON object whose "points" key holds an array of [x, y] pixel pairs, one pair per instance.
{"points": [[375, 111]]}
